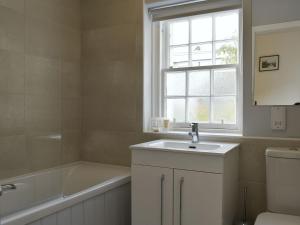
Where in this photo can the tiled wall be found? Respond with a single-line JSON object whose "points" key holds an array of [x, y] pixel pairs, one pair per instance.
{"points": [[40, 84], [111, 90]]}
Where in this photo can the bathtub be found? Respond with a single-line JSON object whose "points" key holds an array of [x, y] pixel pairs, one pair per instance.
{"points": [[81, 193]]}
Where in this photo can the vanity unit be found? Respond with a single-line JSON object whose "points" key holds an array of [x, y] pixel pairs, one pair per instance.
{"points": [[184, 183]]}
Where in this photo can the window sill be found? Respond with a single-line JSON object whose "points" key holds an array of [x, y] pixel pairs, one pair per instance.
{"points": [[202, 135]]}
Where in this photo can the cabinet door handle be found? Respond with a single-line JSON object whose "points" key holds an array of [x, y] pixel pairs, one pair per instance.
{"points": [[162, 180], [180, 200]]}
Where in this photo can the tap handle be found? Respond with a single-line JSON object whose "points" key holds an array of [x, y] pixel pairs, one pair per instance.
{"points": [[194, 127]]}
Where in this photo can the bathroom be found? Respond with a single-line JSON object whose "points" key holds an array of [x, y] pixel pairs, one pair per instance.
{"points": [[77, 90]]}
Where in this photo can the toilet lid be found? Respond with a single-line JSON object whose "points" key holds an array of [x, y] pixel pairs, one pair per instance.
{"points": [[277, 219]]}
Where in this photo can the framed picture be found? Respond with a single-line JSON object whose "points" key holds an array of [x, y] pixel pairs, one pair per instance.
{"points": [[268, 63]]}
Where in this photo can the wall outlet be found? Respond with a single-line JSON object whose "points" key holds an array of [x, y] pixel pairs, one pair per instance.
{"points": [[278, 118]]}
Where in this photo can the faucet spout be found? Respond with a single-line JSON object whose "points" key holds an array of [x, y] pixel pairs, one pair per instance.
{"points": [[7, 187], [195, 133]]}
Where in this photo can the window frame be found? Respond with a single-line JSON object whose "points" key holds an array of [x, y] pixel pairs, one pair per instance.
{"points": [[160, 66]]}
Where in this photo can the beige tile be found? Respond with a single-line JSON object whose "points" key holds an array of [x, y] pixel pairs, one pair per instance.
{"points": [[43, 38], [53, 29], [108, 147], [12, 32], [256, 199], [252, 157], [116, 42], [43, 114], [12, 120], [71, 79], [72, 114], [59, 12], [110, 97], [44, 150], [17, 5], [94, 77], [109, 115], [71, 44], [252, 161], [71, 4], [113, 77], [12, 72], [14, 157], [43, 76], [71, 146], [91, 18]]}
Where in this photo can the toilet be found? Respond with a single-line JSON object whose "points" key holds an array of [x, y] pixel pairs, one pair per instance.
{"points": [[283, 187]]}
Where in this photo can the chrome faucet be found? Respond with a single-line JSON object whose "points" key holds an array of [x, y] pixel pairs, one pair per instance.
{"points": [[7, 187], [195, 133]]}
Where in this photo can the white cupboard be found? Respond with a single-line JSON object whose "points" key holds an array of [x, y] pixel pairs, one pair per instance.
{"points": [[168, 192], [197, 198], [153, 196]]}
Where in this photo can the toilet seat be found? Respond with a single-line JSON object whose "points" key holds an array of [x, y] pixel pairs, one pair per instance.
{"points": [[277, 219]]}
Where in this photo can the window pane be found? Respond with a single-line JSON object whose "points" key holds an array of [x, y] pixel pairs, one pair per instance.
{"points": [[198, 110], [226, 52], [227, 26], [199, 83], [225, 82], [176, 109], [202, 29], [180, 64], [224, 109], [179, 56], [175, 84], [179, 33], [202, 63], [202, 52]]}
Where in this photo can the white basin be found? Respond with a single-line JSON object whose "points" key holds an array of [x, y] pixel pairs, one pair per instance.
{"points": [[214, 148], [184, 145]]}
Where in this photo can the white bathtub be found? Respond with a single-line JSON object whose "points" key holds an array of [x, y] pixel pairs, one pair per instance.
{"points": [[80, 193]]}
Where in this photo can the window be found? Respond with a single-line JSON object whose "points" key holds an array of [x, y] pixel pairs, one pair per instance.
{"points": [[198, 74]]}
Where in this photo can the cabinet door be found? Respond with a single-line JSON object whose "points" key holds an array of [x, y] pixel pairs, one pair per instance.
{"points": [[197, 198], [152, 195]]}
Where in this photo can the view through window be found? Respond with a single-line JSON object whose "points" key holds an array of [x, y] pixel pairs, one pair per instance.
{"points": [[200, 70]]}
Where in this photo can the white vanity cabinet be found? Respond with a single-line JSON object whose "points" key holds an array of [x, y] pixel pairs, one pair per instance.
{"points": [[182, 187], [197, 198], [153, 198]]}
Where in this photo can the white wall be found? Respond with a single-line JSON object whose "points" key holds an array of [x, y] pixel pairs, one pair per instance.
{"points": [[256, 120], [275, 11]]}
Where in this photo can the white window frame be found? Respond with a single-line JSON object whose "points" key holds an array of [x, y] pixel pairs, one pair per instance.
{"points": [[160, 60]]}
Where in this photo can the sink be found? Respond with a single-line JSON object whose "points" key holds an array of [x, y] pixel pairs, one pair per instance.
{"points": [[184, 145], [212, 148]]}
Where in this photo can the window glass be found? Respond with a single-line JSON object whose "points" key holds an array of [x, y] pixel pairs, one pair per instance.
{"points": [[199, 83], [201, 29], [223, 110], [226, 52], [201, 76], [214, 40], [175, 84], [201, 52], [198, 110], [176, 109], [179, 56], [179, 33], [227, 26], [224, 82]]}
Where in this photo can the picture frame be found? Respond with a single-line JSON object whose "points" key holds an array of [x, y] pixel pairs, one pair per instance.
{"points": [[268, 63]]}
